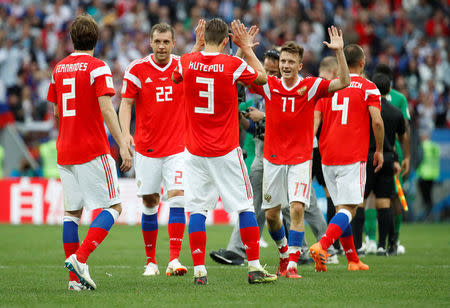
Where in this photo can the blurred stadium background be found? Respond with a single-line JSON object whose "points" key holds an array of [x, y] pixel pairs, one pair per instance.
{"points": [[411, 36]]}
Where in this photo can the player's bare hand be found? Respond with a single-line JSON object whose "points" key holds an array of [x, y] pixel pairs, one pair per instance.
{"points": [[129, 140], [397, 168], [240, 35], [200, 33], [255, 114], [254, 30], [127, 158], [405, 166], [336, 39], [378, 160]]}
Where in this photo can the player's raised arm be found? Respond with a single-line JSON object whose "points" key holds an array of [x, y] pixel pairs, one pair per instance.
{"points": [[243, 40], [126, 106], [110, 118], [199, 36], [337, 44], [378, 132], [252, 32]]}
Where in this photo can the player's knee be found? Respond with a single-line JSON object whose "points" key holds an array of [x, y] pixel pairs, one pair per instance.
{"points": [[117, 207], [150, 200], [272, 215], [175, 193], [351, 208], [76, 213]]}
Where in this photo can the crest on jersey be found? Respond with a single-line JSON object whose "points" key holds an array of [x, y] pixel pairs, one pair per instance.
{"points": [[139, 183], [302, 90], [148, 80], [267, 197]]}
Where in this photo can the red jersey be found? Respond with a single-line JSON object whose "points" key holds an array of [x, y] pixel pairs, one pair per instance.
{"points": [[290, 118], [209, 81], [77, 81], [159, 103], [344, 138]]}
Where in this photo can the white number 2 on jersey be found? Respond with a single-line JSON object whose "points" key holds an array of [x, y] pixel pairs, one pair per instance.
{"points": [[163, 94], [69, 95], [208, 94], [340, 107]]}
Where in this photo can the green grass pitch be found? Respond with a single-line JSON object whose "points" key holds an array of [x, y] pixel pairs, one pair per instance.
{"points": [[32, 273]]}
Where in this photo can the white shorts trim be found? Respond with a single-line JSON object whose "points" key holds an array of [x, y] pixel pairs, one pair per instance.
{"points": [[93, 184], [152, 172], [207, 178], [283, 184], [345, 183]]}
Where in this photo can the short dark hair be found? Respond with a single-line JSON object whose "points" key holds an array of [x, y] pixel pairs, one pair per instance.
{"points": [[272, 54], [84, 32], [384, 69], [353, 54], [161, 28], [293, 47], [216, 30], [328, 63], [382, 82]]}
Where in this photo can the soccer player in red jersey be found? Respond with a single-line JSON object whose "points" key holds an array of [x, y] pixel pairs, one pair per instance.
{"points": [[289, 142], [81, 90], [344, 145], [158, 141], [214, 164]]}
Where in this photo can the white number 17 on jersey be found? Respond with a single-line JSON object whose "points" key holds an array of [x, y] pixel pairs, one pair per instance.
{"points": [[340, 107]]}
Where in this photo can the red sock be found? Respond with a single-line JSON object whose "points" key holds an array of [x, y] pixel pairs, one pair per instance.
{"points": [[176, 232], [332, 234], [349, 248], [150, 244], [94, 238], [197, 242], [250, 239], [294, 256], [283, 249], [70, 249]]}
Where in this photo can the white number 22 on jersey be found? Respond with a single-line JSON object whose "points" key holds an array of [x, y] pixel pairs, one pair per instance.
{"points": [[69, 95], [208, 94], [163, 94], [340, 107]]}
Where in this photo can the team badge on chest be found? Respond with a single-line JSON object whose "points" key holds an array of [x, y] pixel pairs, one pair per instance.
{"points": [[302, 90]]}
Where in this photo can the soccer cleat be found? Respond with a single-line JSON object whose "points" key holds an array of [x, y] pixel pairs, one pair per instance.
{"points": [[76, 286], [175, 268], [319, 256], [226, 257], [200, 278], [371, 247], [292, 273], [381, 251], [151, 269], [333, 259], [81, 270], [259, 275], [282, 267], [304, 257], [392, 250], [353, 266], [361, 252]]}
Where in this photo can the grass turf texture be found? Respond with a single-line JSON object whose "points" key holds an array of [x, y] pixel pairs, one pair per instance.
{"points": [[32, 273]]}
